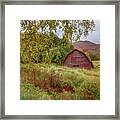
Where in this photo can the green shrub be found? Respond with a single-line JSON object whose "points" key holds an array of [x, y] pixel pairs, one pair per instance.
{"points": [[95, 56], [90, 90], [30, 92]]}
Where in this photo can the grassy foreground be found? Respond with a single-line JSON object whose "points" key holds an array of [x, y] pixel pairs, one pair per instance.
{"points": [[53, 82]]}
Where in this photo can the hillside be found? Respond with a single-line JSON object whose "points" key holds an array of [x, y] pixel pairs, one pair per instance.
{"points": [[54, 82], [87, 46]]}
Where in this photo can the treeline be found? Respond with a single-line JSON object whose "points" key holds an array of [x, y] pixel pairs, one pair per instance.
{"points": [[50, 40], [95, 56]]}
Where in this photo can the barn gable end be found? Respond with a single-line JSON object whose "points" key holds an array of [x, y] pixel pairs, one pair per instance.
{"points": [[78, 59]]}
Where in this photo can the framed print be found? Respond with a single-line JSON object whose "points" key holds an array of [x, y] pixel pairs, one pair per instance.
{"points": [[60, 59]]}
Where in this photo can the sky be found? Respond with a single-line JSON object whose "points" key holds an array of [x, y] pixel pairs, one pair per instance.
{"points": [[95, 35]]}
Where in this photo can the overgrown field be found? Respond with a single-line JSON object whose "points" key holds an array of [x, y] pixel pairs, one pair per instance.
{"points": [[53, 82]]}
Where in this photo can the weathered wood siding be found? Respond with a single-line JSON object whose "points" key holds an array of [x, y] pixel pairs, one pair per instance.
{"points": [[77, 59]]}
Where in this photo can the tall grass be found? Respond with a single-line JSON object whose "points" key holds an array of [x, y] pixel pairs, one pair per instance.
{"points": [[60, 83]]}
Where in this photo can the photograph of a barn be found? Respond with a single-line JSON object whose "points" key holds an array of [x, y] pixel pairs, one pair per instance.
{"points": [[60, 60]]}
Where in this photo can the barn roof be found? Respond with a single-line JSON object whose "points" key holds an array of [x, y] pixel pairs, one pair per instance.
{"points": [[79, 52]]}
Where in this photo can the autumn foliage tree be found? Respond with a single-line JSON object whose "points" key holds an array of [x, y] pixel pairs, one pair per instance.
{"points": [[50, 40]]}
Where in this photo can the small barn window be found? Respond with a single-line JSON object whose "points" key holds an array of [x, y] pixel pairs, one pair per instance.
{"points": [[75, 65]]}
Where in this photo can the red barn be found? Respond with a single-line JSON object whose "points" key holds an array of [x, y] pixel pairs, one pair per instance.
{"points": [[78, 59]]}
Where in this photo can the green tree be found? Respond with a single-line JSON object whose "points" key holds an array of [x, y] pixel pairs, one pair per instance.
{"points": [[40, 40]]}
